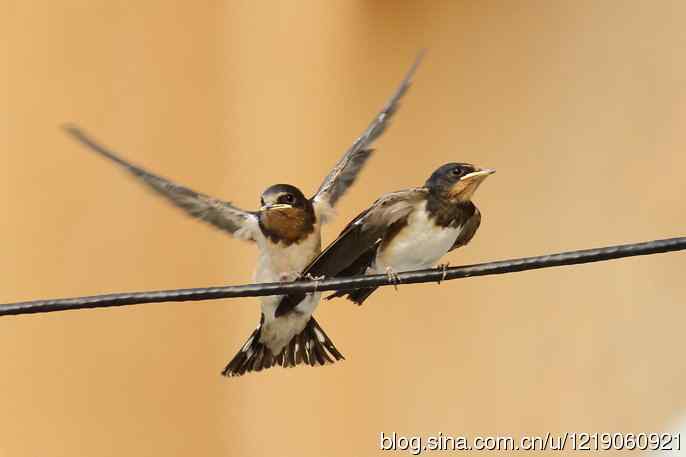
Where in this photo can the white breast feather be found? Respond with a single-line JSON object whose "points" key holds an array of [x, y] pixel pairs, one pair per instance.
{"points": [[278, 262], [420, 244]]}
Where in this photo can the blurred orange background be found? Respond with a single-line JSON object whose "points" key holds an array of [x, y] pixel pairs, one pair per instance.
{"points": [[580, 106]]}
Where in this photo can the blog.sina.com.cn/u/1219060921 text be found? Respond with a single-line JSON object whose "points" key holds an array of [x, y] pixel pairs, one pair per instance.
{"points": [[574, 441]]}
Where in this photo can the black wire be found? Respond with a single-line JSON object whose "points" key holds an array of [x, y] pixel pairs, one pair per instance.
{"points": [[356, 282]]}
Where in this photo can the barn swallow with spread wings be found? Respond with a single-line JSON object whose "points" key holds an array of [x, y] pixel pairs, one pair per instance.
{"points": [[286, 230], [406, 230]]}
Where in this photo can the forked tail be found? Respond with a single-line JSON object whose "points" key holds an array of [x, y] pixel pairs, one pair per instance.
{"points": [[311, 347]]}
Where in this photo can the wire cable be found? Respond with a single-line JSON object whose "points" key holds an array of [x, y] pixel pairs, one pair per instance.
{"points": [[347, 283]]}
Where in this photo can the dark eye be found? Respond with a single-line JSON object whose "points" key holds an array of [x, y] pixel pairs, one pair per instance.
{"points": [[287, 198], [457, 171]]}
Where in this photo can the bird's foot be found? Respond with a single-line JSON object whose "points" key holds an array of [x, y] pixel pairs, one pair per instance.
{"points": [[444, 267], [312, 277], [316, 279], [392, 277]]}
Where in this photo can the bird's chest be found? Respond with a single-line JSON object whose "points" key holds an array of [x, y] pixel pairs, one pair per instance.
{"points": [[279, 262], [419, 244]]}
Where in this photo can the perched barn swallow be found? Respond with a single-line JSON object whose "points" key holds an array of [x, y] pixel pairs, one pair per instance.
{"points": [[286, 230], [406, 230]]}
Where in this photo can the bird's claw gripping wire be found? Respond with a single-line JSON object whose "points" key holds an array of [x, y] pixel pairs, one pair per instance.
{"points": [[316, 280], [393, 277], [444, 268]]}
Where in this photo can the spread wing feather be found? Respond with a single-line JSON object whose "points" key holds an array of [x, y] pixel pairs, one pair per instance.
{"points": [[348, 167], [237, 222]]}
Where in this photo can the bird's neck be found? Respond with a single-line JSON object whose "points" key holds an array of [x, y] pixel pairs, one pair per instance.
{"points": [[288, 226], [448, 211]]}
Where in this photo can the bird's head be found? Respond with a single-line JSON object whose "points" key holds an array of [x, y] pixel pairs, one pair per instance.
{"points": [[457, 181], [283, 197], [286, 214]]}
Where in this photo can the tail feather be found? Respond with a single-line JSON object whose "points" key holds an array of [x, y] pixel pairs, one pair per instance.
{"points": [[359, 267], [253, 356], [356, 296], [311, 347]]}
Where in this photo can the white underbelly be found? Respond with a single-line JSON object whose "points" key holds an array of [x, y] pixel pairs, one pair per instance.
{"points": [[285, 263], [305, 307], [276, 333], [420, 244]]}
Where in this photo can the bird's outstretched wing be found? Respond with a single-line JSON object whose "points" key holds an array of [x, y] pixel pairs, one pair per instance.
{"points": [[346, 170], [355, 246], [239, 223]]}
